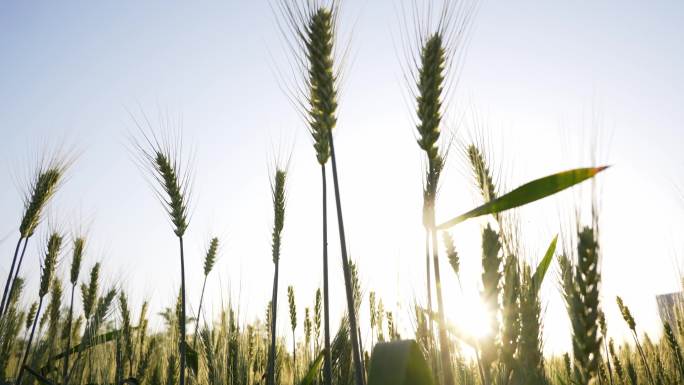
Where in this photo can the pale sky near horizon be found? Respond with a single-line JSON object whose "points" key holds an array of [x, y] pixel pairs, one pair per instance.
{"points": [[542, 80]]}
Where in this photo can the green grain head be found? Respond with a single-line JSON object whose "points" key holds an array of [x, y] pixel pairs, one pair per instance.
{"points": [[626, 314], [210, 256], [319, 41], [175, 192], [430, 86], [491, 277], [530, 354], [307, 326], [42, 188], [278, 197], [451, 252], [510, 312], [31, 315], [15, 293], [318, 304], [482, 173], [89, 292], [49, 263], [292, 306], [77, 257]]}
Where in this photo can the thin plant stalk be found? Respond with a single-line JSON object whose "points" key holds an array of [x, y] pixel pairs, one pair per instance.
{"points": [[182, 320], [278, 192], [327, 363], [199, 311], [24, 359], [353, 328], [65, 368], [443, 340], [9, 277], [272, 350], [209, 260], [75, 270], [53, 246], [428, 279]]}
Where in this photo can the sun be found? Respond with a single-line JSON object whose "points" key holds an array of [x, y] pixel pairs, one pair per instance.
{"points": [[473, 317]]}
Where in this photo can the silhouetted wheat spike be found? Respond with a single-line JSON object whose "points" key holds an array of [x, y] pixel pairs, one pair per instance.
{"points": [[510, 314], [10, 327], [127, 333], [76, 259], [452, 254], [617, 364], [530, 354], [54, 245], [293, 324], [430, 86], [627, 316], [209, 260], [580, 283], [278, 198], [491, 278], [318, 39], [675, 348], [42, 189], [312, 28], [162, 159]]}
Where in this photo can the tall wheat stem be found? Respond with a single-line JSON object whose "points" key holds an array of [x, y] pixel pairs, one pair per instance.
{"points": [[182, 320], [65, 368], [353, 328], [199, 312], [443, 340], [327, 364], [10, 279], [28, 344], [428, 279]]}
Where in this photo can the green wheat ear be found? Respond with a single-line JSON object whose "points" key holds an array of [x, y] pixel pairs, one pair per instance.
{"points": [[430, 87], [210, 257], [77, 258], [626, 314], [292, 307], [322, 91], [278, 197], [43, 187], [49, 263], [451, 252], [15, 294], [31, 315], [89, 291], [176, 205], [482, 173]]}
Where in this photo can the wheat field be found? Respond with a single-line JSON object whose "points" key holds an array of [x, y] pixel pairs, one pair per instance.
{"points": [[80, 328]]}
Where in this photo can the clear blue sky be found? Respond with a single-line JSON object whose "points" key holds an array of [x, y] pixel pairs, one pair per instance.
{"points": [[540, 76]]}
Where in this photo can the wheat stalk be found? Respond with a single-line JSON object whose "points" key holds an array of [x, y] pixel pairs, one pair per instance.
{"points": [[42, 188], [162, 159], [293, 324], [631, 323], [76, 259], [54, 245], [278, 199], [209, 260]]}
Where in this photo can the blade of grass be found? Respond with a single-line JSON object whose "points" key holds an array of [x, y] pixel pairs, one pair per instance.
{"points": [[544, 264], [527, 193]]}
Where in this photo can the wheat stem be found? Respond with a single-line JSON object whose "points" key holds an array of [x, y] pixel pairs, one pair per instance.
{"points": [[353, 328], [9, 277]]}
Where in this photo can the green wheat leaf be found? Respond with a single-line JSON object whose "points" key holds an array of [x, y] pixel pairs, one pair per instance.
{"points": [[527, 193], [544, 264], [314, 370]]}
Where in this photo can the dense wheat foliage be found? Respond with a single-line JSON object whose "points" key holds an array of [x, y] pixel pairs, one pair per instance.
{"points": [[79, 329]]}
